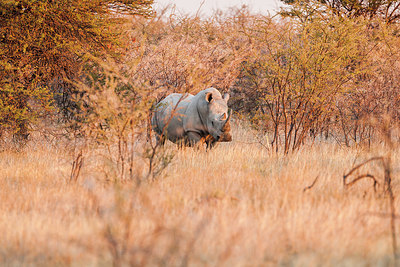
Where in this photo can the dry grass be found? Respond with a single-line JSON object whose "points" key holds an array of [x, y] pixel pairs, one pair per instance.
{"points": [[237, 205]]}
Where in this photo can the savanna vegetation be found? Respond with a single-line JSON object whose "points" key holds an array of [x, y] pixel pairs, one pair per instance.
{"points": [[310, 178]]}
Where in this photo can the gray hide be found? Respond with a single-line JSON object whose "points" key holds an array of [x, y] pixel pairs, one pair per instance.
{"points": [[190, 119]]}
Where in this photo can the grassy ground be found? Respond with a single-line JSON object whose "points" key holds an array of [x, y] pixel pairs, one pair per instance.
{"points": [[237, 205]]}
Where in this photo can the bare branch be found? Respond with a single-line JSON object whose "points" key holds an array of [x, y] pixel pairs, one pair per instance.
{"points": [[362, 177], [359, 166]]}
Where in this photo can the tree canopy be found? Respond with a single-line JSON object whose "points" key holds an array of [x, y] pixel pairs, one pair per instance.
{"points": [[41, 40], [389, 10]]}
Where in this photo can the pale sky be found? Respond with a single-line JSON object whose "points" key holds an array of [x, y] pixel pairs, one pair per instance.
{"points": [[191, 6]]}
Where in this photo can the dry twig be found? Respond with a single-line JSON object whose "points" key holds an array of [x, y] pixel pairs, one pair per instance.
{"points": [[76, 167], [311, 186]]}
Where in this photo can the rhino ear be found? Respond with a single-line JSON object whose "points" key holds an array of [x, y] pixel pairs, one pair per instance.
{"points": [[226, 97], [209, 97]]}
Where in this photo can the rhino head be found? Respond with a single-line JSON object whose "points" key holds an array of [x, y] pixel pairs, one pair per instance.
{"points": [[218, 115]]}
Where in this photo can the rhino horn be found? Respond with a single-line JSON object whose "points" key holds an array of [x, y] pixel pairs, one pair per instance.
{"points": [[227, 127], [229, 115]]}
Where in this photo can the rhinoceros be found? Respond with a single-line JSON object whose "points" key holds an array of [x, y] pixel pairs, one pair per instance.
{"points": [[188, 119]]}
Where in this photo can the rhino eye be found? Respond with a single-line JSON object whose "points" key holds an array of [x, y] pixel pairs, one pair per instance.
{"points": [[223, 116]]}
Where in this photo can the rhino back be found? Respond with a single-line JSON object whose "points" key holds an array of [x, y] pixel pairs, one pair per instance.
{"points": [[169, 114]]}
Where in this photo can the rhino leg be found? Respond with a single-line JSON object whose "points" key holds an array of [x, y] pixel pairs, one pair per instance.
{"points": [[192, 138], [211, 145], [210, 142], [180, 144]]}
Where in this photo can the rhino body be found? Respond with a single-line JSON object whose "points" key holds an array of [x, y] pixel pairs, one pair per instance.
{"points": [[191, 119]]}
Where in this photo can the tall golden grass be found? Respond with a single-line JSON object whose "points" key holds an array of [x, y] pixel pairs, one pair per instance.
{"points": [[236, 205]]}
